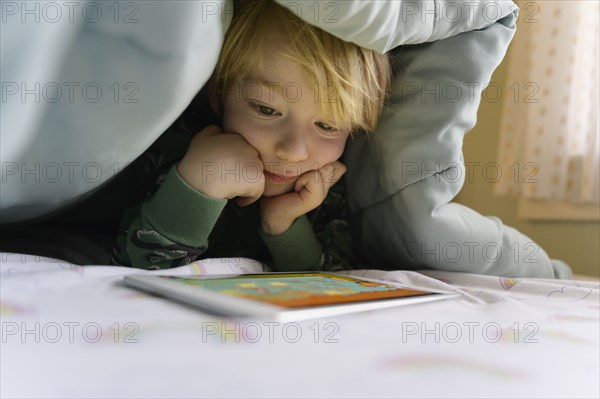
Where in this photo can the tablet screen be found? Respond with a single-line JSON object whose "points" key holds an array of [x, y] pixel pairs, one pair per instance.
{"points": [[298, 290]]}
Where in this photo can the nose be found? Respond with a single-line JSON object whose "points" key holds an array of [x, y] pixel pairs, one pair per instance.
{"points": [[292, 147]]}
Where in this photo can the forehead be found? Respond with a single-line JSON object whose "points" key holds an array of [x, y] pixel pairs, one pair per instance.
{"points": [[277, 70], [276, 77], [281, 61]]}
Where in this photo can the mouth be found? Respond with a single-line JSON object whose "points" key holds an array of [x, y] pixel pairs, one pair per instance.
{"points": [[278, 178]]}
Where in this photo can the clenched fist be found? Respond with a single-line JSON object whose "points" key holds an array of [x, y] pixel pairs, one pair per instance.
{"points": [[213, 165], [279, 213]]}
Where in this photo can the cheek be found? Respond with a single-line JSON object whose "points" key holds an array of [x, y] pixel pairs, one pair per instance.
{"points": [[233, 118], [237, 120], [328, 151], [257, 135]]}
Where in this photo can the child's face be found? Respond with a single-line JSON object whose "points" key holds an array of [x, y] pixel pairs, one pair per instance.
{"points": [[277, 114]]}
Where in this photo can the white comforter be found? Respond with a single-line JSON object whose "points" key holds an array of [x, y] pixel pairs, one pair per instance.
{"points": [[70, 331]]}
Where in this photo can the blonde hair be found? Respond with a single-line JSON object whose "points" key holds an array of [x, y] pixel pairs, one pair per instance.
{"points": [[353, 81]]}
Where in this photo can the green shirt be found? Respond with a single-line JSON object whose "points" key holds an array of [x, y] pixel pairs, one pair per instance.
{"points": [[179, 224]]}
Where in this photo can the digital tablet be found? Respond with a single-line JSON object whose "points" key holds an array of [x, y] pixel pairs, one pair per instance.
{"points": [[282, 296]]}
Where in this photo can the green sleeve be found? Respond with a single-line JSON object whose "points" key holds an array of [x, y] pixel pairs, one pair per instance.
{"points": [[170, 229], [297, 249]]}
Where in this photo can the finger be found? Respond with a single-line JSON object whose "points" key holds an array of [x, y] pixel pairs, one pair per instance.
{"points": [[310, 187], [210, 130], [331, 173], [245, 201]]}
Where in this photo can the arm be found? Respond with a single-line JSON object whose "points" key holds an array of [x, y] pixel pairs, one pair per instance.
{"points": [[300, 249], [168, 230], [172, 227], [297, 249], [285, 228]]}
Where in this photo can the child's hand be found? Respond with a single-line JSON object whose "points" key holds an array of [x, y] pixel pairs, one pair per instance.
{"points": [[279, 213], [217, 164]]}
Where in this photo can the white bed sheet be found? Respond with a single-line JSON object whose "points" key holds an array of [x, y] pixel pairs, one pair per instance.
{"points": [[70, 331]]}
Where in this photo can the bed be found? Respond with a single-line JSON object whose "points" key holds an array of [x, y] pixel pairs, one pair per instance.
{"points": [[72, 331]]}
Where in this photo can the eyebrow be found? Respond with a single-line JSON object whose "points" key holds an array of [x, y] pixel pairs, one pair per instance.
{"points": [[262, 81]]}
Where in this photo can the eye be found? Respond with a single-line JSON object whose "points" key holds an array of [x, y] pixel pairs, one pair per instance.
{"points": [[325, 127], [264, 110]]}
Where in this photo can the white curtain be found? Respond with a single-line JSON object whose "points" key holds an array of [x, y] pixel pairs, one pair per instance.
{"points": [[549, 134]]}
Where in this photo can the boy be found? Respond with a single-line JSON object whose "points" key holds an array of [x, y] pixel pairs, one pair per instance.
{"points": [[288, 96]]}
